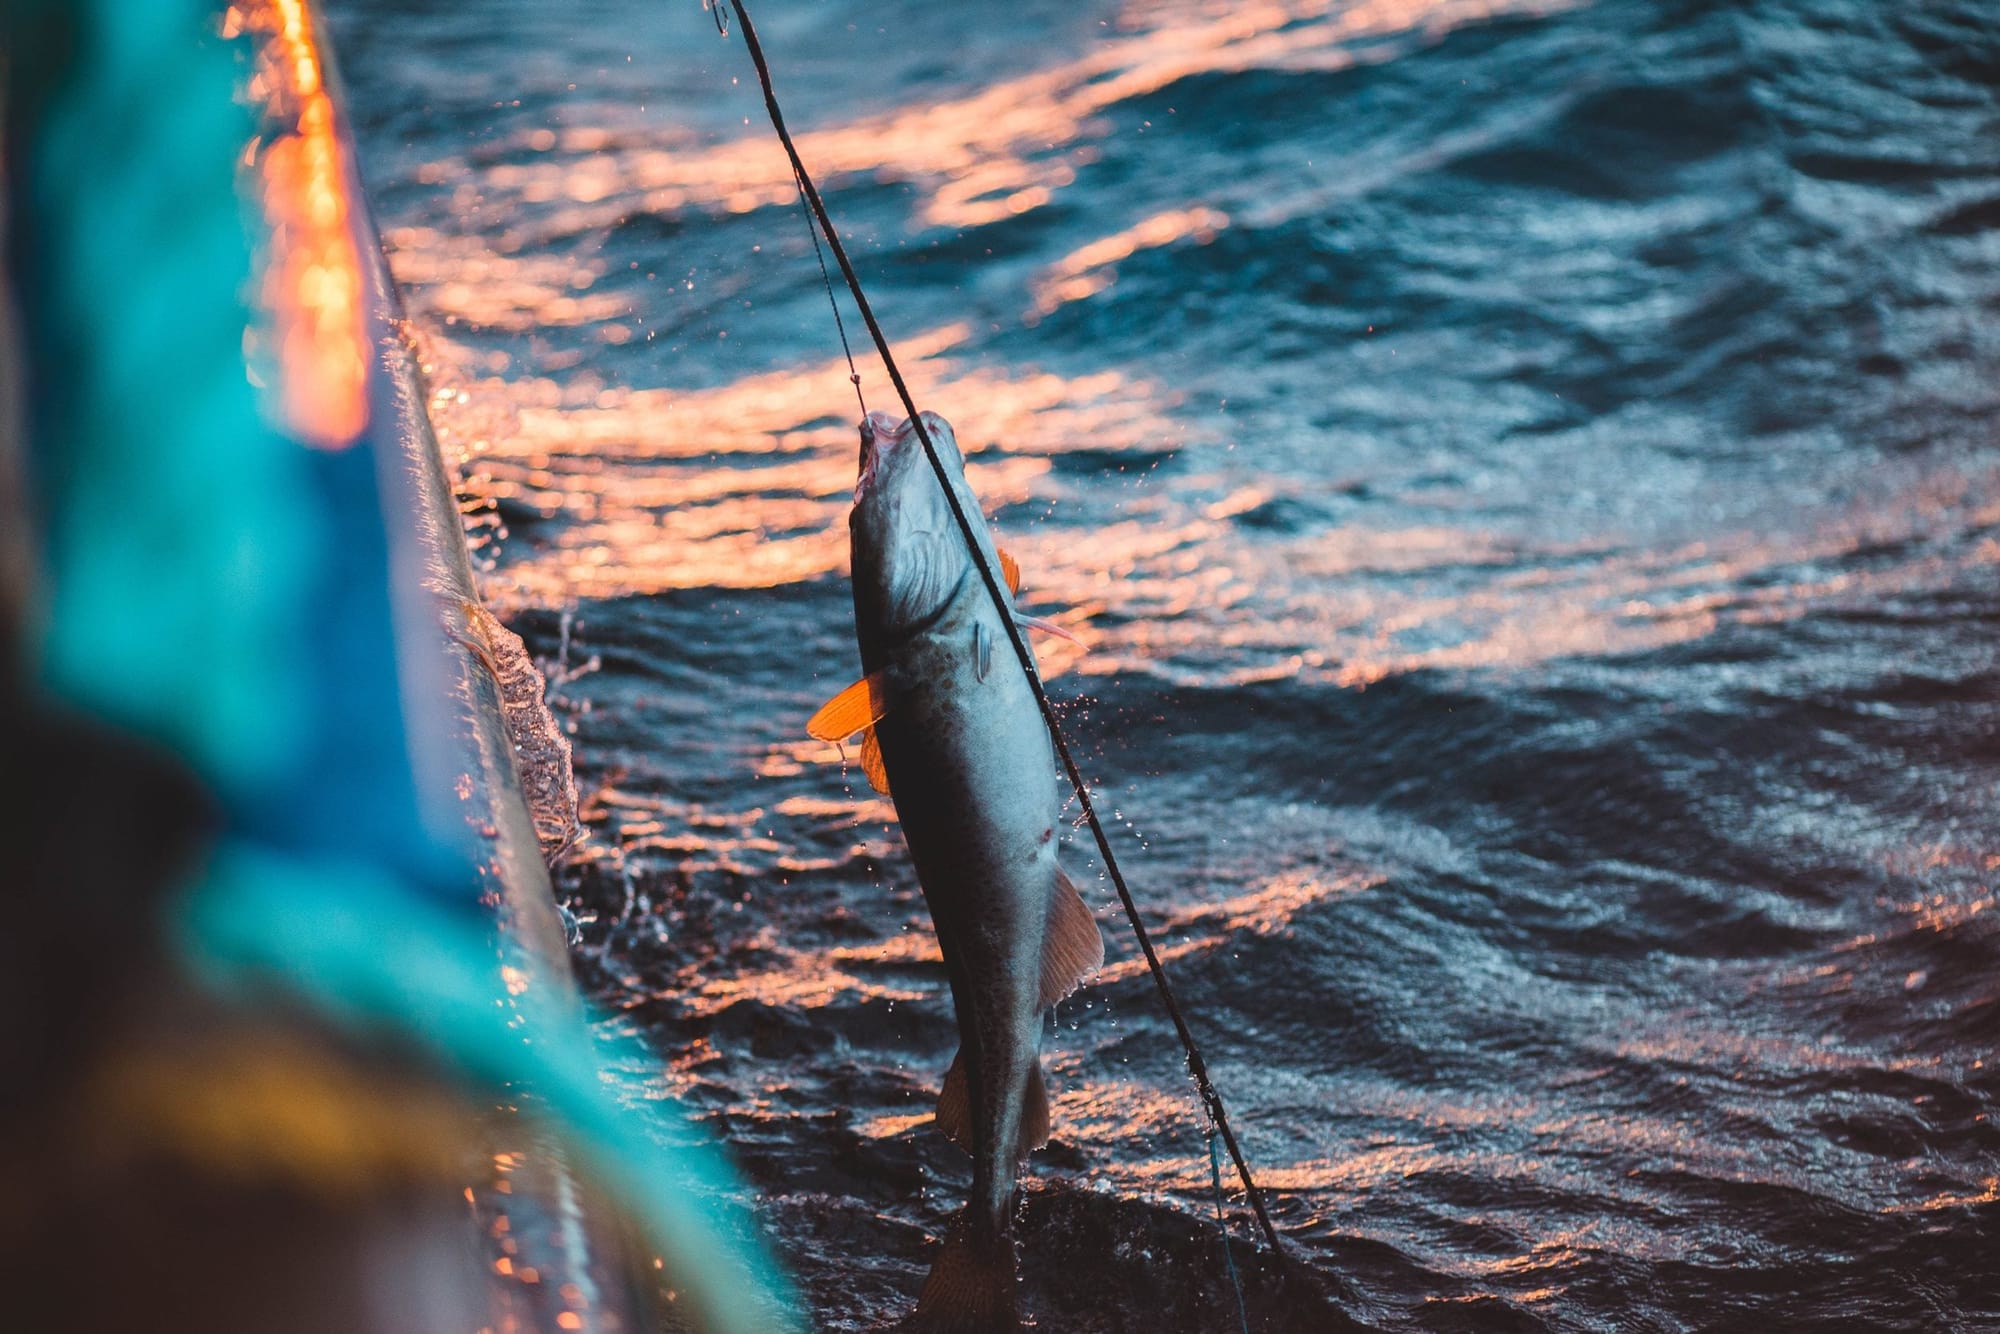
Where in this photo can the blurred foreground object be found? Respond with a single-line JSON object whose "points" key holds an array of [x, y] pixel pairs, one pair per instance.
{"points": [[290, 1039]]}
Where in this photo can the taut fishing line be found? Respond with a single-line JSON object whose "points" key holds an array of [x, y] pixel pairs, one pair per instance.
{"points": [[840, 325], [817, 207], [1222, 1225]]}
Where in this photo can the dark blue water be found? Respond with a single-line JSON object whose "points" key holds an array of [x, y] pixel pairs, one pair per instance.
{"points": [[1525, 477]]}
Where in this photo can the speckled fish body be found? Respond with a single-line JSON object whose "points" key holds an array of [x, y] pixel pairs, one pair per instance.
{"points": [[973, 776]]}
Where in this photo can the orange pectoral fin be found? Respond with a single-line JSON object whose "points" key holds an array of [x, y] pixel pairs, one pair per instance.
{"points": [[1010, 568], [871, 762], [854, 709]]}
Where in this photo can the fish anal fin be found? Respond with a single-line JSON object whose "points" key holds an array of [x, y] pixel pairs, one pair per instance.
{"points": [[871, 762], [1034, 1113], [859, 706], [1011, 569], [954, 1109], [1073, 948]]}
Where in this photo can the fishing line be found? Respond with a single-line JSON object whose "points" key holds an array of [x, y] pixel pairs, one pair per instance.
{"points": [[1196, 1065], [812, 230], [1222, 1225]]}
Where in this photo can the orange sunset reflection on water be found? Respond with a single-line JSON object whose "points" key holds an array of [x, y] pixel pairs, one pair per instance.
{"points": [[747, 485], [618, 491], [1002, 150], [1091, 268], [1265, 911], [311, 287]]}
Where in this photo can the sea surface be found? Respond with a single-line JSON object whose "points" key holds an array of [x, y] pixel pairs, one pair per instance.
{"points": [[1525, 479]]}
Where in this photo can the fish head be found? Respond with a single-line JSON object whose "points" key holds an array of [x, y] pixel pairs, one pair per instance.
{"points": [[908, 553]]}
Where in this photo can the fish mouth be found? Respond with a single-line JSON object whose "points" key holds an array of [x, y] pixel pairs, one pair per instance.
{"points": [[880, 433]]}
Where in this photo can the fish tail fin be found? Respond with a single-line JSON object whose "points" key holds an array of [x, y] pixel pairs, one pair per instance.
{"points": [[972, 1282]]}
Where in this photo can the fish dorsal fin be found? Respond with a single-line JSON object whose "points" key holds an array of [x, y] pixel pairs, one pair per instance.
{"points": [[1034, 1113], [859, 706], [1072, 949], [1010, 568], [954, 1109], [871, 762]]}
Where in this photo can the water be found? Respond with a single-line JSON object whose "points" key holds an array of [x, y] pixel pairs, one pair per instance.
{"points": [[1525, 477]]}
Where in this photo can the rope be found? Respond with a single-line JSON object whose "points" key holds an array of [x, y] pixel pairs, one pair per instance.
{"points": [[1196, 1065]]}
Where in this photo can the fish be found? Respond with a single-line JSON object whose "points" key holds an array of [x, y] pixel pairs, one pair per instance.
{"points": [[951, 731]]}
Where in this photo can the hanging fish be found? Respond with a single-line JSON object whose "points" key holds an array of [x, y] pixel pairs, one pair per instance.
{"points": [[952, 732]]}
